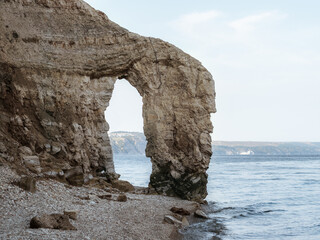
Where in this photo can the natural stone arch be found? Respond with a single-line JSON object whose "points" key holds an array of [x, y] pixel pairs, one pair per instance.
{"points": [[57, 76], [177, 101]]}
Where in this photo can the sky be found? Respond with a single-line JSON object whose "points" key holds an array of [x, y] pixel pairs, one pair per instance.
{"points": [[263, 55]]}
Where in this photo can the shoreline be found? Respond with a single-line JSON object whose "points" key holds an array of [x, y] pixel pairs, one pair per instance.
{"points": [[140, 217]]}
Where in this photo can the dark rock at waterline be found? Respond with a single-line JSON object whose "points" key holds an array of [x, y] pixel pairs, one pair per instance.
{"points": [[185, 222], [180, 211], [172, 220], [28, 183], [53, 221], [200, 214], [216, 238]]}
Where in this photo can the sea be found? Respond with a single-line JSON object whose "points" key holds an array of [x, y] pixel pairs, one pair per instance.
{"points": [[250, 196]]}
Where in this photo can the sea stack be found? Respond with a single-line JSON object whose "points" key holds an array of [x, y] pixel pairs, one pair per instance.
{"points": [[59, 61]]}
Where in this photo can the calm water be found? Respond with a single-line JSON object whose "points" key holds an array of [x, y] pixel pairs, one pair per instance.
{"points": [[251, 197]]}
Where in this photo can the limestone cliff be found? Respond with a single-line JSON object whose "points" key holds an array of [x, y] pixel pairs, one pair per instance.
{"points": [[59, 61]]}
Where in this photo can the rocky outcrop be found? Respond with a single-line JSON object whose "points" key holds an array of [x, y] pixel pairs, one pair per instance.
{"points": [[59, 61]]}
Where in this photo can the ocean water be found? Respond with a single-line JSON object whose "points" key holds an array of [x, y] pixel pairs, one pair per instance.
{"points": [[251, 197]]}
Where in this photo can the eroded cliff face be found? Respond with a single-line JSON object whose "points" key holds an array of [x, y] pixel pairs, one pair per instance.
{"points": [[59, 61]]}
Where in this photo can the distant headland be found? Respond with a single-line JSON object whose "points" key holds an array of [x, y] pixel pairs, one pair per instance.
{"points": [[135, 143]]}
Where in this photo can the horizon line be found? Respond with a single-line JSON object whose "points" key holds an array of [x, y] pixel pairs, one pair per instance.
{"points": [[213, 141]]}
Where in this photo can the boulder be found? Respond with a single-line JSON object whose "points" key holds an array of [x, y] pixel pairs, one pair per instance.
{"points": [[25, 151], [97, 182], [32, 163], [105, 196], [123, 186], [177, 216], [72, 214], [180, 211], [53, 221], [28, 183], [75, 176], [200, 214], [55, 148], [122, 197], [76, 180], [172, 220], [185, 222]]}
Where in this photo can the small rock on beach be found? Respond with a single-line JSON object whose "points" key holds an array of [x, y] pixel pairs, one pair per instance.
{"points": [[72, 214], [28, 183], [180, 211], [53, 221], [122, 198], [200, 214]]}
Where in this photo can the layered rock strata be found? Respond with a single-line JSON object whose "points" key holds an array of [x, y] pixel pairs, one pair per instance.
{"points": [[59, 61]]}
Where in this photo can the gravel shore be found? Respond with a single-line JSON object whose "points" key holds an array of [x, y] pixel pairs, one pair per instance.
{"points": [[140, 217]]}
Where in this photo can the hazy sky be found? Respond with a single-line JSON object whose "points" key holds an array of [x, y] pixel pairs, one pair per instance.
{"points": [[263, 55]]}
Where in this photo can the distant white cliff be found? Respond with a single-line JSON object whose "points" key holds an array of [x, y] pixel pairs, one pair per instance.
{"points": [[134, 143]]}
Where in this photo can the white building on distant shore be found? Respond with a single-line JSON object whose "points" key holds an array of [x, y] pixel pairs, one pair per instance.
{"points": [[249, 152]]}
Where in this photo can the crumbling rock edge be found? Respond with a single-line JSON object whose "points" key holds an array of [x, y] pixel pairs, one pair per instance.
{"points": [[59, 61]]}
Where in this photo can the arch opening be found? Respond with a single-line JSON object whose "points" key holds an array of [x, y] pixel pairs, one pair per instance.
{"points": [[128, 142]]}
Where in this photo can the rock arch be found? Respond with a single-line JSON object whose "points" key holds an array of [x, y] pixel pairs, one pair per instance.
{"points": [[57, 77]]}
